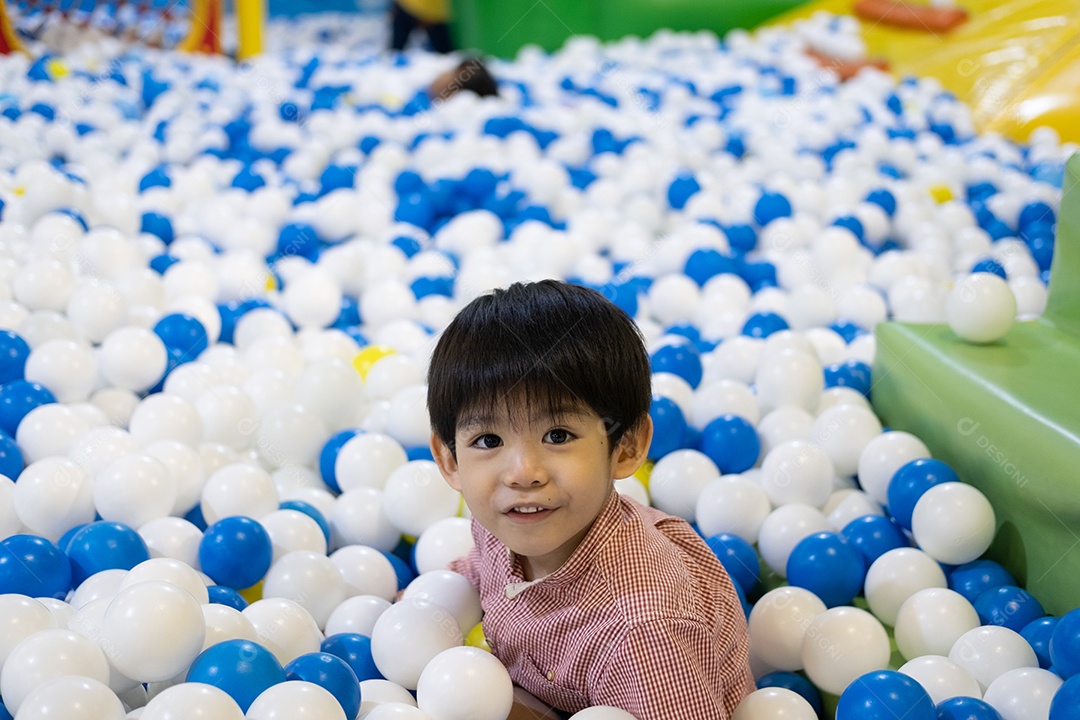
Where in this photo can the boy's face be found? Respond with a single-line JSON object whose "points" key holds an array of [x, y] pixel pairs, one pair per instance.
{"points": [[539, 483]]}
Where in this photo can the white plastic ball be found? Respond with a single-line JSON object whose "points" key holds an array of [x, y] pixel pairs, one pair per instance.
{"points": [[883, 456], [166, 417], [172, 537], [408, 635], [941, 678], [843, 431], [64, 366], [396, 711], [778, 623], [95, 309], [789, 377], [226, 623], [797, 472], [332, 389], [990, 651], [840, 645], [292, 530], [20, 617], [365, 571], [73, 698], [1023, 693], [735, 359], [897, 575], [284, 628], [783, 425], [980, 308], [192, 700], [451, 591], [228, 414], [678, 479], [356, 614], [170, 571], [186, 469], [444, 541], [673, 387], [102, 584], [308, 578], [390, 374], [291, 435], [772, 703], [132, 358], [367, 460], [848, 504], [359, 518], [259, 323], [783, 529], [156, 628], [134, 490], [416, 497], [408, 422], [52, 496], [49, 430], [953, 523], [45, 656], [295, 700], [723, 397], [238, 489], [465, 683]]}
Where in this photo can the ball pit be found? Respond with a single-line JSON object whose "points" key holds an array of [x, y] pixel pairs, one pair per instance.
{"points": [[218, 304]]}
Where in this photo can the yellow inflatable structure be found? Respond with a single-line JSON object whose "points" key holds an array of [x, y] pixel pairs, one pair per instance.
{"points": [[1015, 63]]}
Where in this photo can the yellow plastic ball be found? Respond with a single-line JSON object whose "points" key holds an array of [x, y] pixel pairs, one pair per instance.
{"points": [[253, 593], [644, 472], [941, 193], [476, 638], [370, 355]]}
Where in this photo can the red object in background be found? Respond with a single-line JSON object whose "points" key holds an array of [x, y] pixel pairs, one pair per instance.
{"points": [[898, 13]]}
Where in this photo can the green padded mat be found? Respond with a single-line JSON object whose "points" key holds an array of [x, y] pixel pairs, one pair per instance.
{"points": [[1006, 416], [502, 27]]}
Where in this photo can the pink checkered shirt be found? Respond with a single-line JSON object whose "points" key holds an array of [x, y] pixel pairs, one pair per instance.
{"points": [[641, 617]]}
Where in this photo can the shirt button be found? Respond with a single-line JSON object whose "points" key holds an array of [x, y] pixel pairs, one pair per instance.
{"points": [[551, 675]]}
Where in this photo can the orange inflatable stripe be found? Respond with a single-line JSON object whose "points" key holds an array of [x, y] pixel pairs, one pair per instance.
{"points": [[897, 13], [9, 43], [845, 69]]}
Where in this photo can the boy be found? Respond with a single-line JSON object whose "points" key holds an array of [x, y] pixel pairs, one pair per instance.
{"points": [[539, 398]]}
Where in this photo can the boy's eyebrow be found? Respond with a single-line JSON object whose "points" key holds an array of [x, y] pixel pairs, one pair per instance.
{"points": [[478, 420]]}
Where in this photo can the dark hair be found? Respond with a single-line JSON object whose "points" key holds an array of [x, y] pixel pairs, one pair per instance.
{"points": [[471, 74], [548, 343]]}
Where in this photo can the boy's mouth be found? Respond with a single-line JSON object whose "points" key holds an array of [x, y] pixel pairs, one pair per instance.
{"points": [[528, 513]]}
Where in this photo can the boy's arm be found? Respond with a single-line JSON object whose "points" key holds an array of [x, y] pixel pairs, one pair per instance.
{"points": [[672, 669]]}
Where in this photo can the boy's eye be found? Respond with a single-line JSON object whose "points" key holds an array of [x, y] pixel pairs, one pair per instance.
{"points": [[558, 436], [488, 441]]}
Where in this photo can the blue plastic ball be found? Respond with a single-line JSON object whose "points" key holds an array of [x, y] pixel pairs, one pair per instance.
{"points": [[404, 573], [1036, 211], [158, 225], [1038, 633], [990, 266], [33, 566], [417, 209], [182, 333], [829, 566], [298, 239], [221, 595], [853, 374], [732, 443], [911, 481], [874, 535], [355, 650], [706, 263], [679, 358], [5, 714], [312, 512], [669, 427], [331, 673], [241, 668], [1065, 645], [17, 399], [11, 458], [763, 324], [13, 353], [741, 238], [885, 695], [1066, 702], [479, 183], [965, 708], [235, 552], [738, 557], [328, 457], [1008, 606], [794, 682], [682, 188], [103, 545], [883, 198], [771, 206], [976, 577]]}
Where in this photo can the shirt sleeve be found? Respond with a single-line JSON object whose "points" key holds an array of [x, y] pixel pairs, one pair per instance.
{"points": [[673, 669], [469, 566]]}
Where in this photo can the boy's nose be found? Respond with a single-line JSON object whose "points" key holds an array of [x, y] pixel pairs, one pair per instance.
{"points": [[525, 470]]}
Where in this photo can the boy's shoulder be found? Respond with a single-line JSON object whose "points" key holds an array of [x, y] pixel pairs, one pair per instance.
{"points": [[656, 567]]}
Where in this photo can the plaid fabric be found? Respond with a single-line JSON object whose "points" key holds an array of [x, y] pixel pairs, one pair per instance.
{"points": [[642, 617]]}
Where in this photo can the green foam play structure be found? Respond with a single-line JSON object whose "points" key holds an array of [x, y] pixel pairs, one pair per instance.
{"points": [[501, 27], [1006, 416]]}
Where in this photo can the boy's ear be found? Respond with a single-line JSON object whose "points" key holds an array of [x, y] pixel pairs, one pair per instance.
{"points": [[633, 448], [446, 461]]}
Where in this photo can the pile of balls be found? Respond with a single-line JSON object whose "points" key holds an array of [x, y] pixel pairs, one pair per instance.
{"points": [[220, 285]]}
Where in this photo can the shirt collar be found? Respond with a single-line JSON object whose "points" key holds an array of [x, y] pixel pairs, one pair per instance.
{"points": [[583, 558]]}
